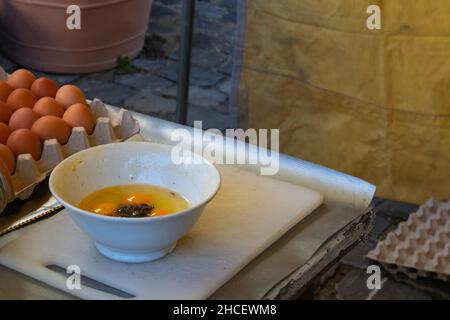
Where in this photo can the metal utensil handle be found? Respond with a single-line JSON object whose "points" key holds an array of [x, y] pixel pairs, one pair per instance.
{"points": [[33, 217]]}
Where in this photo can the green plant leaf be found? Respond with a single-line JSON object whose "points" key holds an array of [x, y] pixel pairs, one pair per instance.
{"points": [[124, 65]]}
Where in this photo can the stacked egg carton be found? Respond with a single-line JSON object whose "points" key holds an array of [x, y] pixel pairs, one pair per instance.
{"points": [[420, 246], [110, 127]]}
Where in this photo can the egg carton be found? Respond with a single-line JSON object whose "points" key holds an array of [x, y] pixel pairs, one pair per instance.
{"points": [[413, 273], [419, 246], [109, 127]]}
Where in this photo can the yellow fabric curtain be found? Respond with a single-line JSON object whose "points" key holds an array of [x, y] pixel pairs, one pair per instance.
{"points": [[371, 103]]}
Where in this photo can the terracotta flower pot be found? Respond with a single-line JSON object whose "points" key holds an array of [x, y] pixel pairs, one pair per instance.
{"points": [[34, 33]]}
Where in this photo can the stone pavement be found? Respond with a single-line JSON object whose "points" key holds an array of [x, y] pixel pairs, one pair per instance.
{"points": [[148, 83]]}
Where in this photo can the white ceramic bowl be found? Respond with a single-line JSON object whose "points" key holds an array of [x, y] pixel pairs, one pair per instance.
{"points": [[133, 240]]}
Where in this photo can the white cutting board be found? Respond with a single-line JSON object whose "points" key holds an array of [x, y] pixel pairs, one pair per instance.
{"points": [[248, 214]]}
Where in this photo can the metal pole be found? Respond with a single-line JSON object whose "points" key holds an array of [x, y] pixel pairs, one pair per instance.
{"points": [[185, 60]]}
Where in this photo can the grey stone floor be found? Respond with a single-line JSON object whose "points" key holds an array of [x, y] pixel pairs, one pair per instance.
{"points": [[148, 83], [348, 279]]}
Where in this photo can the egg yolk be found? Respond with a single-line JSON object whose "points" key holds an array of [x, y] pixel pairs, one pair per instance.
{"points": [[139, 198], [106, 208], [159, 212], [134, 201]]}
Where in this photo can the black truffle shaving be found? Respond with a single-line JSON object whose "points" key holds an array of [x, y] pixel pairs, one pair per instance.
{"points": [[134, 210]]}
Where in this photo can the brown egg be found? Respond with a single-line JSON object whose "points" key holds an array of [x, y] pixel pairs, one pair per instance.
{"points": [[21, 98], [21, 78], [9, 185], [5, 90], [51, 127], [5, 131], [48, 107], [23, 119], [44, 87], [7, 157], [69, 94], [5, 112], [25, 141], [79, 115]]}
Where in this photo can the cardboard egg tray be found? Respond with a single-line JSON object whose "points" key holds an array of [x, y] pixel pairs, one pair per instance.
{"points": [[110, 127], [419, 246]]}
